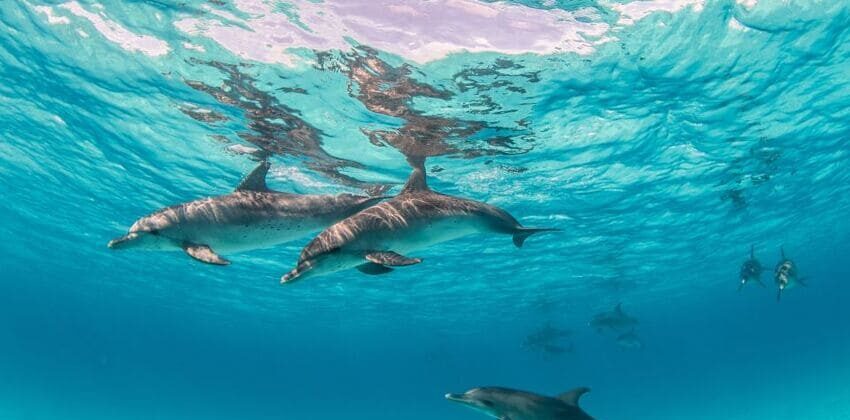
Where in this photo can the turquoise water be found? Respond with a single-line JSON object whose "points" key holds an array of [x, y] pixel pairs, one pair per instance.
{"points": [[663, 137]]}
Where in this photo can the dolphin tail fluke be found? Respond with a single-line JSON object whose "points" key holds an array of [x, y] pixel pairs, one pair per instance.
{"points": [[521, 234]]}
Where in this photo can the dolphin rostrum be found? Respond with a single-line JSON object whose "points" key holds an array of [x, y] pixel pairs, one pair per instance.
{"points": [[251, 217], [751, 270], [511, 404], [786, 275], [376, 239]]}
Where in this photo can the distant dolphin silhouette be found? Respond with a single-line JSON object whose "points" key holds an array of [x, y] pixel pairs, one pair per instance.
{"points": [[249, 218], [377, 238], [511, 404], [615, 320]]}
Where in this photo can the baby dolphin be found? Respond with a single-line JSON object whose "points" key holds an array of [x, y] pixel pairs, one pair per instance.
{"points": [[751, 270], [378, 238], [251, 217], [785, 275], [511, 404], [615, 320]]}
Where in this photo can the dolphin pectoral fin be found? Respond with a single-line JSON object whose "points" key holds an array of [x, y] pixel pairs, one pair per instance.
{"points": [[205, 254], [391, 259], [572, 397], [373, 269], [522, 233]]}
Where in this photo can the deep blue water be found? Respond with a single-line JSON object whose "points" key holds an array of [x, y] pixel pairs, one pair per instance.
{"points": [[664, 137]]}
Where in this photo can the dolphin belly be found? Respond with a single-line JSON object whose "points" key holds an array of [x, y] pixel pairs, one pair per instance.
{"points": [[236, 238], [419, 234]]}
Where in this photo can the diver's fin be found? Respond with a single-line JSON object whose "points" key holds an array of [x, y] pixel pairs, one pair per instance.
{"points": [[416, 181], [572, 397], [373, 269], [256, 180], [522, 233], [204, 253], [391, 259]]}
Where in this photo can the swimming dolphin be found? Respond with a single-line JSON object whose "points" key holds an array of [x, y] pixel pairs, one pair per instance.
{"points": [[249, 218], [615, 320], [549, 340], [629, 340], [511, 404], [785, 275], [377, 238], [751, 270]]}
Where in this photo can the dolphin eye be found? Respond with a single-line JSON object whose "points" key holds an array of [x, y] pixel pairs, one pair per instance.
{"points": [[488, 403], [153, 232]]}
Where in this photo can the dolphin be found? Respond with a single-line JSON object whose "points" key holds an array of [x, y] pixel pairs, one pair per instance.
{"points": [[630, 340], [615, 320], [376, 239], [549, 340], [251, 217], [751, 270], [785, 275], [511, 404]]}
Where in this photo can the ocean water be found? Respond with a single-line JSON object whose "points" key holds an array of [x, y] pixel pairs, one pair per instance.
{"points": [[664, 138]]}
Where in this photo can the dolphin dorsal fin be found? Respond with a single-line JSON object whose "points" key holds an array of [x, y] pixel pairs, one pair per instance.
{"points": [[256, 180], [416, 181], [572, 397]]}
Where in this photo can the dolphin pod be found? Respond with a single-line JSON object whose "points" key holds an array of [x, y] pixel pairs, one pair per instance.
{"points": [[377, 238], [785, 274], [251, 217], [512, 404]]}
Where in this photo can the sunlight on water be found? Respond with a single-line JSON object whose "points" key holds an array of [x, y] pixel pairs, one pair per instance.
{"points": [[662, 138]]}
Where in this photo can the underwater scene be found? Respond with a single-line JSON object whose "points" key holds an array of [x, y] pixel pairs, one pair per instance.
{"points": [[435, 209]]}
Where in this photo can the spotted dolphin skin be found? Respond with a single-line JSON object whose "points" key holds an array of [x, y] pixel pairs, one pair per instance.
{"points": [[786, 275], [751, 270], [378, 238], [251, 217], [511, 404]]}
